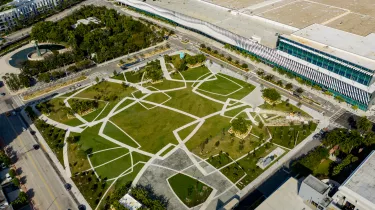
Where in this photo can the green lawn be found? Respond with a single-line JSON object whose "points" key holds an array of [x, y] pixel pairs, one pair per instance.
{"points": [[92, 115], [220, 160], [323, 168], [234, 112], [226, 88], [115, 133], [119, 76], [190, 191], [134, 77], [58, 112], [89, 141], [193, 73], [233, 172], [114, 168], [289, 136], [124, 104], [152, 129], [192, 103], [107, 91], [167, 84], [186, 131], [156, 98], [249, 165], [105, 156], [167, 150]]}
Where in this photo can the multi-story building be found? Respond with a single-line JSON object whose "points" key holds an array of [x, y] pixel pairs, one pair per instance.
{"points": [[23, 9], [345, 57], [337, 61]]}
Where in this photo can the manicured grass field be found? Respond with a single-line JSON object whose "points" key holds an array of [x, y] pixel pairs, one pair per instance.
{"points": [[156, 98], [105, 156], [115, 133], [89, 141], [192, 103], [289, 136], [234, 112], [190, 191], [152, 129], [226, 88], [193, 73], [167, 150], [124, 104], [167, 84], [186, 131], [114, 168]]}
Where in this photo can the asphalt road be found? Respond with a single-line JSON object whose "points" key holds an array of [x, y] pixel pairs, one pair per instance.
{"points": [[41, 181]]}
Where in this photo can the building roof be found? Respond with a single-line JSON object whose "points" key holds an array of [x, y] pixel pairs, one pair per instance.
{"points": [[347, 46], [362, 180], [129, 202], [316, 184], [284, 198], [241, 24]]}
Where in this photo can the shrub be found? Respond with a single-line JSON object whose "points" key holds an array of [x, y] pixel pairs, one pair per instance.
{"points": [[240, 125], [271, 94]]}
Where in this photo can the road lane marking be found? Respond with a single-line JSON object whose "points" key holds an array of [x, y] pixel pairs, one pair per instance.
{"points": [[33, 162]]}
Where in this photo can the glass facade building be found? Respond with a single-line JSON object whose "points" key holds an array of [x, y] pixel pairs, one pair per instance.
{"points": [[293, 57], [339, 66]]}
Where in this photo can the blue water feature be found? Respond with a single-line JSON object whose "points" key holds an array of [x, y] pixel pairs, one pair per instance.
{"points": [[21, 56]]}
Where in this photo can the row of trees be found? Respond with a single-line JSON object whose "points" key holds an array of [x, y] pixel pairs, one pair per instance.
{"points": [[194, 59], [81, 106]]}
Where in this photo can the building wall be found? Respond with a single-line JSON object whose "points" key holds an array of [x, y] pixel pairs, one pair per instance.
{"points": [[352, 94], [8, 18], [340, 67]]}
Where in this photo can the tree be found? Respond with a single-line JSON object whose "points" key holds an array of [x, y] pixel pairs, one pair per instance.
{"points": [[240, 125], [364, 124], [271, 94], [355, 107], [12, 173], [288, 86], [299, 90], [279, 83], [244, 65], [16, 182], [97, 80], [203, 46], [260, 125]]}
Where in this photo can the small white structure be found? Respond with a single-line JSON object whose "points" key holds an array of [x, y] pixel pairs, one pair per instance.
{"points": [[129, 202], [86, 21]]}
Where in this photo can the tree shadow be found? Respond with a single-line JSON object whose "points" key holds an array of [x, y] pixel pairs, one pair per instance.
{"points": [[19, 171], [23, 180], [30, 192]]}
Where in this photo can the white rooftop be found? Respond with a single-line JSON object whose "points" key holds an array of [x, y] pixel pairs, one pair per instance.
{"points": [[129, 202], [362, 181], [351, 47], [285, 198], [244, 25]]}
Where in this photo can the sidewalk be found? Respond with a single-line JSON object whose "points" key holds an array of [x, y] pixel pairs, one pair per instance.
{"points": [[56, 164]]}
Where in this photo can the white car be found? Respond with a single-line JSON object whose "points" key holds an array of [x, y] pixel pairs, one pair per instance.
{"points": [[7, 176]]}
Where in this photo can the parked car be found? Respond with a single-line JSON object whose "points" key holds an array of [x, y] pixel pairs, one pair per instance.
{"points": [[68, 186], [81, 207], [3, 94]]}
